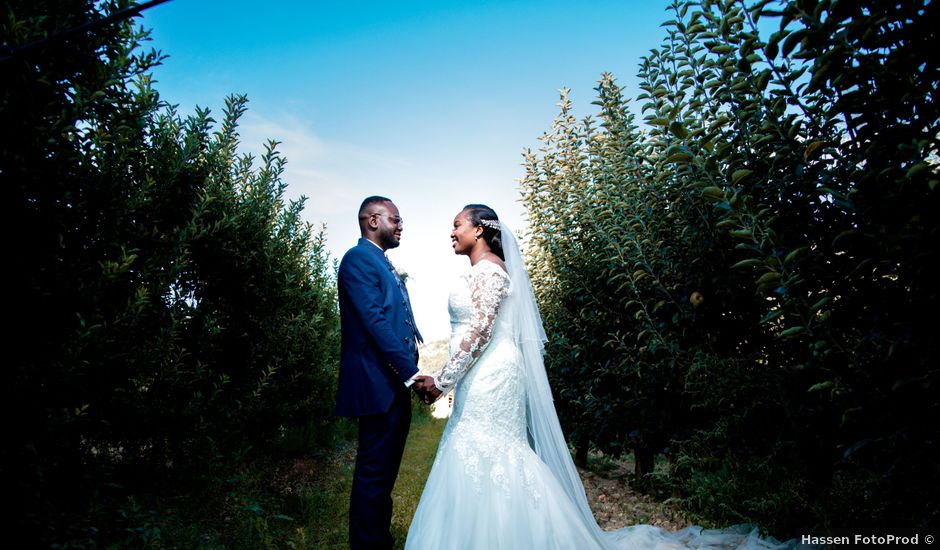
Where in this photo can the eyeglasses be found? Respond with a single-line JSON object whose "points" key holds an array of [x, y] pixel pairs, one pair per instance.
{"points": [[397, 220]]}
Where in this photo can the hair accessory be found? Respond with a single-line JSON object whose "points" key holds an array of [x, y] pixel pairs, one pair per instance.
{"points": [[492, 224]]}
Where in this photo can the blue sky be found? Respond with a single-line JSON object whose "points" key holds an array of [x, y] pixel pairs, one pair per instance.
{"points": [[429, 103]]}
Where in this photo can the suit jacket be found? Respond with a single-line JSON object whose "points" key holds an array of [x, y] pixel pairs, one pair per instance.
{"points": [[378, 349]]}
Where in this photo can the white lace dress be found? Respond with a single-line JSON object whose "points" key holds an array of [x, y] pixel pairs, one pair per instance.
{"points": [[487, 488]]}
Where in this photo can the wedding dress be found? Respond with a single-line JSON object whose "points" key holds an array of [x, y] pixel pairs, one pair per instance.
{"points": [[503, 477]]}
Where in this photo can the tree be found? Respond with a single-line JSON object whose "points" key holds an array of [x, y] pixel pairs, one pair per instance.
{"points": [[738, 265], [170, 311]]}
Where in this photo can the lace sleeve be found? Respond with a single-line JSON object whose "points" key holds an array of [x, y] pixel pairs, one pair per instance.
{"points": [[488, 288]]}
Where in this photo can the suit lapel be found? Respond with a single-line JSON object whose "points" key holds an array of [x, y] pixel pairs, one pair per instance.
{"points": [[403, 289]]}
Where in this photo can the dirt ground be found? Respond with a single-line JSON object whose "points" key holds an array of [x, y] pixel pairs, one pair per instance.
{"points": [[615, 504]]}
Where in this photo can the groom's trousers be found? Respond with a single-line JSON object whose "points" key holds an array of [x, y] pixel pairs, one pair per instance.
{"points": [[381, 445]]}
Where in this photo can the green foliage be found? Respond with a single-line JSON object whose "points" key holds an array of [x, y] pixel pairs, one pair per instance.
{"points": [[738, 283], [170, 312]]}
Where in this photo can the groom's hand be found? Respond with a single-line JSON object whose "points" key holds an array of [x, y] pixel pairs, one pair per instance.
{"points": [[426, 389]]}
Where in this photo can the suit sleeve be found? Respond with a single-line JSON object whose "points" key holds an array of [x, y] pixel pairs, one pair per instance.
{"points": [[359, 278]]}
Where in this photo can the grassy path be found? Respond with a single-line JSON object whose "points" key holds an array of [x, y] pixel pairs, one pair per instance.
{"points": [[614, 503], [415, 467], [328, 498]]}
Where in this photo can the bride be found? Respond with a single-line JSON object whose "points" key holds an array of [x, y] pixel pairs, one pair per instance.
{"points": [[503, 476]]}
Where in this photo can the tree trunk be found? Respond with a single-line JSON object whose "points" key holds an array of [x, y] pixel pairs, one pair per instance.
{"points": [[643, 464], [581, 454]]}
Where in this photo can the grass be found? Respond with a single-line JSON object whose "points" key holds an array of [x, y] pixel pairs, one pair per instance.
{"points": [[277, 500], [301, 502], [272, 502], [327, 502], [327, 498], [415, 467]]}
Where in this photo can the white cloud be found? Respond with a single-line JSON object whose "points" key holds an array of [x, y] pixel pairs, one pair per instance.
{"points": [[336, 176]]}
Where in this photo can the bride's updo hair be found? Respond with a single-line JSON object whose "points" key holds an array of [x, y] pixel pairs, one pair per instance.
{"points": [[483, 216]]}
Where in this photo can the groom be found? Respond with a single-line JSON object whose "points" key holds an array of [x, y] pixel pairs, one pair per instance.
{"points": [[378, 365]]}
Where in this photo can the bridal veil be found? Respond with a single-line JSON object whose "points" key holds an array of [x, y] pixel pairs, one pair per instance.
{"points": [[548, 441]]}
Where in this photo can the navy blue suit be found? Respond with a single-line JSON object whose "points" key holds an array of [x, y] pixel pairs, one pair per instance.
{"points": [[378, 356]]}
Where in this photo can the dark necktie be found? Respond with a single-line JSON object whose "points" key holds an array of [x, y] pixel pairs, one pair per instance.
{"points": [[405, 300]]}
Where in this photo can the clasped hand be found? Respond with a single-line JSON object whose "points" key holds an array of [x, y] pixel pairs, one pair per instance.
{"points": [[426, 390]]}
